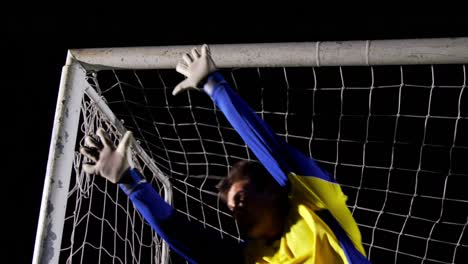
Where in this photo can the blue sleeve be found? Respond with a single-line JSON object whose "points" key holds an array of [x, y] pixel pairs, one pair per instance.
{"points": [[188, 238], [275, 154]]}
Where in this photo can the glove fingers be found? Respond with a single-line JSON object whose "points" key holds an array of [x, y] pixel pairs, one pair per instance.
{"points": [[104, 138], [125, 142], [93, 143], [178, 88], [205, 50], [195, 53], [89, 168], [90, 153], [182, 86], [187, 58], [183, 69]]}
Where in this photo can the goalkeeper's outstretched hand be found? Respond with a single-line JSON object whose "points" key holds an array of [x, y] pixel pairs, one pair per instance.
{"points": [[195, 67], [107, 160]]}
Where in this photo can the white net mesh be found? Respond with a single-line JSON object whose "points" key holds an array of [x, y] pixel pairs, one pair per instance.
{"points": [[392, 136], [101, 225]]}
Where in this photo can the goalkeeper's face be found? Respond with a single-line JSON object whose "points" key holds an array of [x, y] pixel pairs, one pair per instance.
{"points": [[256, 211]]}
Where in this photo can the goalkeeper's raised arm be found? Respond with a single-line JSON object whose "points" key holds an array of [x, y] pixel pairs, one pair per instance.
{"points": [[288, 208], [187, 238]]}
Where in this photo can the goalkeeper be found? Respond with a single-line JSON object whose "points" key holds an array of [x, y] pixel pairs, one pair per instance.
{"points": [[288, 209]]}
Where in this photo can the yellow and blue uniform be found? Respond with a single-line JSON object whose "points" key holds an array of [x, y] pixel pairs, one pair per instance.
{"points": [[319, 226]]}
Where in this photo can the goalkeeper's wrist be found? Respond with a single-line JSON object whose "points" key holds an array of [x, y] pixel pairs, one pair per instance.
{"points": [[130, 179], [203, 81], [211, 81]]}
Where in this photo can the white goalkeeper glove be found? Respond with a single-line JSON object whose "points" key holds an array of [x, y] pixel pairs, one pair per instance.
{"points": [[108, 161], [195, 67]]}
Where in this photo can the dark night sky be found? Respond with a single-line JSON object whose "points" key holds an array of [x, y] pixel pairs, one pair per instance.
{"points": [[36, 45]]}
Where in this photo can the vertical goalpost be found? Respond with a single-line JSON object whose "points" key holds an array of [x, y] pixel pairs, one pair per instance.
{"points": [[388, 118]]}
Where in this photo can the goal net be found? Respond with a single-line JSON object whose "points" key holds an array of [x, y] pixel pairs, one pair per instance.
{"points": [[388, 119]]}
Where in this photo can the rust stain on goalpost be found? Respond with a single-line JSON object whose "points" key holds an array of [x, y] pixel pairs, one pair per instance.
{"points": [[60, 141], [59, 146], [49, 208], [47, 248], [64, 103]]}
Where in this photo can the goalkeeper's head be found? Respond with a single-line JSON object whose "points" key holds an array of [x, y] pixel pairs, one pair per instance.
{"points": [[258, 203]]}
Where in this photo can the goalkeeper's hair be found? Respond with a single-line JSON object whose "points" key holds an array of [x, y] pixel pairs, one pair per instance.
{"points": [[248, 170]]}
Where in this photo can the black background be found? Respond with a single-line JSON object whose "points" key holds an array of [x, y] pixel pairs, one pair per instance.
{"points": [[36, 41]]}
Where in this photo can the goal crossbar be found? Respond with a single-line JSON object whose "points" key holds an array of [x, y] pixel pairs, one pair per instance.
{"points": [[342, 53]]}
